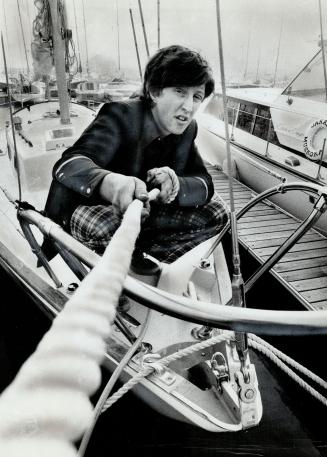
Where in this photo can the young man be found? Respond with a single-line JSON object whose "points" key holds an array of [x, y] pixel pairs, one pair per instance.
{"points": [[133, 146]]}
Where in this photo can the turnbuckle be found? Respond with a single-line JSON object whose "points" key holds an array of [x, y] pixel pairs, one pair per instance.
{"points": [[220, 369]]}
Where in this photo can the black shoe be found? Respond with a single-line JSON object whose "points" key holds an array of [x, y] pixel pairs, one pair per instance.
{"points": [[142, 265]]}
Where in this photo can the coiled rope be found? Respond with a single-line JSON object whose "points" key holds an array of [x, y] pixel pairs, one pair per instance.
{"points": [[47, 407]]}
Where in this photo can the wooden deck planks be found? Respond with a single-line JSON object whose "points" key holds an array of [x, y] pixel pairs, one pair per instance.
{"points": [[265, 227]]}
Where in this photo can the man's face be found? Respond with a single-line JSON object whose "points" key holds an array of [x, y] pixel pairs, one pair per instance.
{"points": [[174, 107]]}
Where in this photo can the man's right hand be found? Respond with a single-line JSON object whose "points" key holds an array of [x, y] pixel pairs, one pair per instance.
{"points": [[121, 190]]}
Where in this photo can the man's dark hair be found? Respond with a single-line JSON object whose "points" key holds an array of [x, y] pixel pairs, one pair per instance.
{"points": [[176, 66]]}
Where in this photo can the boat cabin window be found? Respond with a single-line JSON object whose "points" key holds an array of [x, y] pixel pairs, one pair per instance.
{"points": [[310, 82], [255, 119], [261, 124], [245, 118]]}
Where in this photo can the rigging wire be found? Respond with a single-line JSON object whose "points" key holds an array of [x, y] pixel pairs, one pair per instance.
{"points": [[86, 50], [238, 292], [23, 35], [323, 48], [100, 406], [12, 123], [236, 257]]}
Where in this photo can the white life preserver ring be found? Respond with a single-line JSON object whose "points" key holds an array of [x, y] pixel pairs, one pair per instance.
{"points": [[311, 147]]}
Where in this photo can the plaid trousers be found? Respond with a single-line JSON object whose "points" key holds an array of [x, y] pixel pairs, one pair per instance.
{"points": [[168, 233]]}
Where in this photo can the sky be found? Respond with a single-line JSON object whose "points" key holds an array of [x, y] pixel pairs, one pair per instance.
{"points": [[252, 30]]}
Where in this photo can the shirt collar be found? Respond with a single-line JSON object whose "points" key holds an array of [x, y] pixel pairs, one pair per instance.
{"points": [[150, 129]]}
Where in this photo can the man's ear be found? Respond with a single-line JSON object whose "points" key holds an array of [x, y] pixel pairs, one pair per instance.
{"points": [[154, 94]]}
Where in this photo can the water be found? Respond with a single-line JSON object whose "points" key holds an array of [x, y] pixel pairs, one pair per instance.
{"points": [[293, 424]]}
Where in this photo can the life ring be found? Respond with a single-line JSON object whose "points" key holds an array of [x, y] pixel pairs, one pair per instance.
{"points": [[310, 141]]}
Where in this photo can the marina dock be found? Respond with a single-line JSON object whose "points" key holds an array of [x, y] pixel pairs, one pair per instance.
{"points": [[303, 270]]}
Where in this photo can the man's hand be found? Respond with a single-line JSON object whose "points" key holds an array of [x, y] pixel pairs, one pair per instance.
{"points": [[165, 178], [121, 190]]}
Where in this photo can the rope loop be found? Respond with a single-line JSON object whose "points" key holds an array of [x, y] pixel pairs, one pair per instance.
{"points": [[151, 361]]}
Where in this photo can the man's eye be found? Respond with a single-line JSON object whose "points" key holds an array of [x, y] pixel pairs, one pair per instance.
{"points": [[179, 90], [198, 97]]}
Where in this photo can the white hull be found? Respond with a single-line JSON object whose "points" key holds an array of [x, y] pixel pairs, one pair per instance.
{"points": [[254, 170], [181, 399]]}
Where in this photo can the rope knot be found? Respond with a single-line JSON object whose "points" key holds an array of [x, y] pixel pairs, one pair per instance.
{"points": [[151, 361]]}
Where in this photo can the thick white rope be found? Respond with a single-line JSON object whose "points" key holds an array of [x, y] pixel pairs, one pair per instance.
{"points": [[47, 407]]}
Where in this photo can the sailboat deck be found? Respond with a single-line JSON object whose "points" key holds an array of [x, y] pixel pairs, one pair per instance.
{"points": [[303, 270]]}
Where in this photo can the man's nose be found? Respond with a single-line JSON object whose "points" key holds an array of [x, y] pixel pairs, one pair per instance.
{"points": [[188, 103]]}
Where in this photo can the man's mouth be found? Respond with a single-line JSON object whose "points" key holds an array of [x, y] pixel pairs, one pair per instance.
{"points": [[182, 118]]}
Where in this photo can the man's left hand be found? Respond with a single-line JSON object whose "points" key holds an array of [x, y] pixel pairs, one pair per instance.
{"points": [[167, 181]]}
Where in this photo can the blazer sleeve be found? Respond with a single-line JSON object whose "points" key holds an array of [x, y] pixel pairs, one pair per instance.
{"points": [[83, 166], [196, 186]]}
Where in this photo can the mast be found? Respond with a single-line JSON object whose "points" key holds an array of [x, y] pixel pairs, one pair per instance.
{"points": [[21, 27], [158, 20], [118, 43], [258, 64], [135, 42], [59, 59], [5, 20], [278, 48], [86, 50], [29, 20], [143, 28], [247, 53], [323, 48], [79, 65]]}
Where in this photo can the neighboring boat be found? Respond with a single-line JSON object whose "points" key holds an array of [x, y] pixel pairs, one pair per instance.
{"points": [[276, 134], [119, 89], [91, 93], [33, 92], [94, 92]]}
